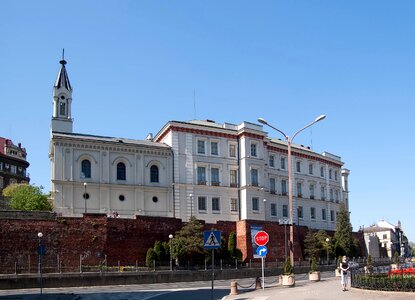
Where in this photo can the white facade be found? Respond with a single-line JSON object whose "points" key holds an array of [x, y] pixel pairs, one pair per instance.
{"points": [[208, 170]]}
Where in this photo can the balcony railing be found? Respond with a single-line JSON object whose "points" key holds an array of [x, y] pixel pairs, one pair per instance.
{"points": [[311, 197], [215, 183], [233, 185], [284, 193], [201, 182]]}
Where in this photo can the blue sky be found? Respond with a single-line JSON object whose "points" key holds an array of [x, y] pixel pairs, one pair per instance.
{"points": [[134, 65]]}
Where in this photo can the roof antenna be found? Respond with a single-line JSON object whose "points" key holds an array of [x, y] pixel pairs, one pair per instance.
{"points": [[194, 102]]}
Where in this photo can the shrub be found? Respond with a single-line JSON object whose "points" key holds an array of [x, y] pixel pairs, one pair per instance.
{"points": [[288, 268], [314, 267], [150, 257]]}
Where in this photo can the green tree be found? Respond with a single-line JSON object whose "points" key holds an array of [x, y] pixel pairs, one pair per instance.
{"points": [[344, 241], [188, 241], [315, 245], [234, 252], [288, 268], [26, 197], [159, 251], [150, 257]]}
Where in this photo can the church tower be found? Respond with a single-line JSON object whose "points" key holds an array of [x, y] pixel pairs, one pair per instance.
{"points": [[62, 100]]}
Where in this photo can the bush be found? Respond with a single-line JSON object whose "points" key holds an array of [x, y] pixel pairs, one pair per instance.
{"points": [[150, 257], [288, 268], [314, 267]]}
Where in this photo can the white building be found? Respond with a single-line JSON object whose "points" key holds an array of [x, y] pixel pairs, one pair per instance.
{"points": [[205, 169]]}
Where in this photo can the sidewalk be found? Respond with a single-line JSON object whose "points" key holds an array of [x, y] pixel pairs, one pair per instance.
{"points": [[326, 289]]}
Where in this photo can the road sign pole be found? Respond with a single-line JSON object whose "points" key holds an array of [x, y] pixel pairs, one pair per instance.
{"points": [[213, 272], [263, 277]]}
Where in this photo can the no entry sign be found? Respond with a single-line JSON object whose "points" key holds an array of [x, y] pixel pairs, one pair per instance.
{"points": [[261, 238]]}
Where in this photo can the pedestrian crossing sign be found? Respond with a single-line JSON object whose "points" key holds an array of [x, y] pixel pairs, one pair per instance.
{"points": [[211, 239]]}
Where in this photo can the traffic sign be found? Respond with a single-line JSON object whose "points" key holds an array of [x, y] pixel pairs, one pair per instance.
{"points": [[211, 239], [41, 250], [261, 238], [262, 251]]}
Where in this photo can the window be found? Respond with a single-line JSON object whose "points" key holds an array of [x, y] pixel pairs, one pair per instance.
{"points": [[311, 191], [332, 215], [155, 199], [233, 178], [253, 150], [273, 210], [331, 195], [86, 168], [215, 204], [154, 174], [201, 203], [322, 171], [330, 174], [214, 173], [385, 236], [271, 161], [201, 175], [298, 164], [285, 211], [12, 181], [122, 198], [313, 213], [1, 182], [234, 204], [323, 214], [13, 169], [121, 172], [335, 175], [201, 147], [272, 185], [323, 193], [62, 108], [284, 187], [299, 190], [282, 163], [214, 150], [255, 204], [300, 212], [232, 150], [336, 196], [254, 177], [1, 166], [310, 169]]}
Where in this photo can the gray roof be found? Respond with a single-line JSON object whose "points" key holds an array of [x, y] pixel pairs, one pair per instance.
{"points": [[63, 80]]}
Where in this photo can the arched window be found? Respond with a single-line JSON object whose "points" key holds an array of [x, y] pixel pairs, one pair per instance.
{"points": [[121, 171], [154, 174], [86, 168]]}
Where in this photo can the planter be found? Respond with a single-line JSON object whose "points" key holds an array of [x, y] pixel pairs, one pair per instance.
{"points": [[394, 266], [314, 276], [288, 280], [338, 272]]}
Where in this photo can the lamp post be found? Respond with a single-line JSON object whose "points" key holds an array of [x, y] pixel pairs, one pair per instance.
{"points": [[171, 255], [327, 241], [290, 188], [40, 251], [191, 205], [85, 184], [265, 208]]}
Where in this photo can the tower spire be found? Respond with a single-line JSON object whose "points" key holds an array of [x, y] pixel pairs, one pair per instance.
{"points": [[63, 80]]}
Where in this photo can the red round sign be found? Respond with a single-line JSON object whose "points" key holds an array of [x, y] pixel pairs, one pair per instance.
{"points": [[261, 238]]}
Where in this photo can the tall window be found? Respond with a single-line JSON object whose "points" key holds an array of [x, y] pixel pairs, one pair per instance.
{"points": [[255, 204], [272, 185], [335, 175], [201, 175], [201, 147], [254, 177], [201, 203], [284, 187], [214, 150], [285, 211], [1, 166], [332, 215], [300, 212], [232, 150], [313, 212], [154, 174], [215, 204], [271, 161], [331, 195], [323, 214], [233, 178], [1, 182], [13, 169], [121, 172], [253, 150], [234, 204], [62, 109], [323, 193], [86, 168], [298, 164], [299, 189], [273, 210], [214, 173], [311, 191], [330, 174], [282, 163], [322, 171], [336, 196], [310, 169]]}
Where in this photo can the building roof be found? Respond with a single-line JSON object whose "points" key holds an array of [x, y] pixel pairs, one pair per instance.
{"points": [[63, 80], [107, 139]]}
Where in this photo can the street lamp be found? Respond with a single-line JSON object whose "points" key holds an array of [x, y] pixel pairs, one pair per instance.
{"points": [[327, 241], [40, 251], [290, 188], [171, 256], [191, 205], [85, 184], [265, 208]]}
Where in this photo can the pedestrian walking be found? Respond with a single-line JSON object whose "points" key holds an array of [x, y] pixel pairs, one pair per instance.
{"points": [[344, 268]]}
